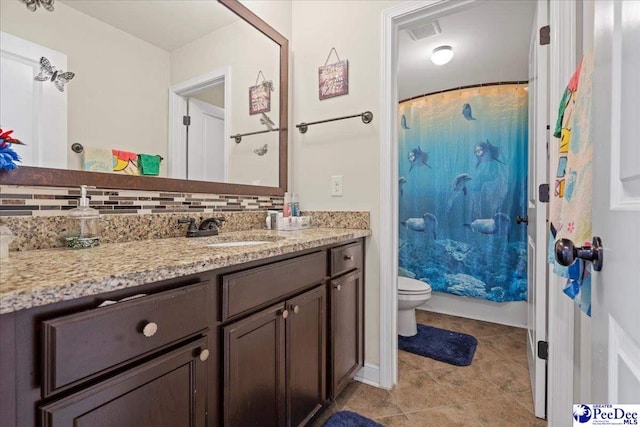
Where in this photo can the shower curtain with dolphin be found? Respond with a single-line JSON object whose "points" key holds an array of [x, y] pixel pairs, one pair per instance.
{"points": [[462, 184]]}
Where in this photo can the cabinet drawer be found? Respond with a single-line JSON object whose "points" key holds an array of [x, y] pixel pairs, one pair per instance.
{"points": [[258, 286], [346, 258], [93, 341]]}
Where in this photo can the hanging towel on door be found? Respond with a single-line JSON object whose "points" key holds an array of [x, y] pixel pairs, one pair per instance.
{"points": [[570, 210]]}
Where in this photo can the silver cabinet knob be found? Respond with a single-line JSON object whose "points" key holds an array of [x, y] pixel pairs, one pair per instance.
{"points": [[150, 329], [296, 309], [204, 355], [348, 257], [285, 314], [338, 287]]}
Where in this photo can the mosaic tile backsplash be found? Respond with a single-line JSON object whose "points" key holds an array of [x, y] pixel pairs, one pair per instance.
{"points": [[36, 215], [51, 201]]}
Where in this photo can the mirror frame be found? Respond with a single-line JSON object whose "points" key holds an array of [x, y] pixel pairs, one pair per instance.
{"points": [[48, 177]]}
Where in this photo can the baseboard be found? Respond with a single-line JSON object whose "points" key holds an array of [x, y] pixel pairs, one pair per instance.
{"points": [[369, 374]]}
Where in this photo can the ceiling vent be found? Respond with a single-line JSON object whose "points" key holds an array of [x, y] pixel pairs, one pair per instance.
{"points": [[424, 30]]}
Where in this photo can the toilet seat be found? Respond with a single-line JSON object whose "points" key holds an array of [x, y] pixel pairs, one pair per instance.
{"points": [[407, 286]]}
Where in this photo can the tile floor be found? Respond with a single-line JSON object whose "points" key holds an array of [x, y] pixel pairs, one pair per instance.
{"points": [[493, 391]]}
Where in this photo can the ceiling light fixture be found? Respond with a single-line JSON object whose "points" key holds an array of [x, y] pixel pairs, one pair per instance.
{"points": [[441, 55]]}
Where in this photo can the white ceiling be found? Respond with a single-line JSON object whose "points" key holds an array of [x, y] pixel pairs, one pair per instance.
{"points": [[490, 42], [165, 24]]}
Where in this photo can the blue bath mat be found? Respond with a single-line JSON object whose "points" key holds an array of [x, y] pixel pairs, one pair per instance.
{"points": [[439, 344], [349, 419]]}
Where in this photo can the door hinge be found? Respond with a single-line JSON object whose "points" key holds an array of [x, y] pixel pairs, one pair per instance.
{"points": [[543, 350], [543, 193], [186, 120], [545, 35]]}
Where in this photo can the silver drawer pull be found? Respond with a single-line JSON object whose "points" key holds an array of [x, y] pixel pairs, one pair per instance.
{"points": [[150, 329], [285, 314], [204, 355], [348, 257], [296, 309], [338, 287]]}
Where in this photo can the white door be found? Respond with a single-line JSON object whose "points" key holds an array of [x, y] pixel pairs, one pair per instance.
{"points": [[537, 212], [615, 304], [206, 144], [35, 110]]}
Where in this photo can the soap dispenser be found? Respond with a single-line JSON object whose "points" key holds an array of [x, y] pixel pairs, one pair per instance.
{"points": [[83, 224]]}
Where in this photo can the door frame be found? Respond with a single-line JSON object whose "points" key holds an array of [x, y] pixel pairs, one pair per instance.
{"points": [[178, 109], [393, 19], [561, 309]]}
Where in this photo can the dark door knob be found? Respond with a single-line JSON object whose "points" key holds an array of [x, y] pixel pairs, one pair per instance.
{"points": [[520, 219], [567, 253]]}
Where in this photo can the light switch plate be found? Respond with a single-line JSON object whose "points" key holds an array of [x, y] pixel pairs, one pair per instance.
{"points": [[336, 185]]}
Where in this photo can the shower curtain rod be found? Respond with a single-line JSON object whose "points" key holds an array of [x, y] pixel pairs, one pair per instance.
{"points": [[238, 137], [515, 82], [367, 117]]}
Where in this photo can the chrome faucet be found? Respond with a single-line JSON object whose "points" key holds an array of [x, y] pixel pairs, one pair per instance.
{"points": [[208, 227]]}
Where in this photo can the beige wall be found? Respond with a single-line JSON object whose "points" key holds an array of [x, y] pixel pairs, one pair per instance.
{"points": [[349, 147], [245, 51], [120, 89]]}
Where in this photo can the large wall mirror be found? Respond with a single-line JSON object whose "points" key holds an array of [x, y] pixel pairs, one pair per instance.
{"points": [[160, 89]]}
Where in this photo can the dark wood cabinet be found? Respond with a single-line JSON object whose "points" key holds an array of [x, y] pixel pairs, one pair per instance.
{"points": [[307, 355], [254, 370], [275, 363], [265, 343], [168, 391], [346, 315], [347, 318]]}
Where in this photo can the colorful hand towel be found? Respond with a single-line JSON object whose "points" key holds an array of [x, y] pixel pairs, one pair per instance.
{"points": [[570, 210], [125, 162], [97, 159], [149, 164]]}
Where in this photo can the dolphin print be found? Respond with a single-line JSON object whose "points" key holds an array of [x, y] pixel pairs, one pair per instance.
{"points": [[403, 122], [486, 152], [427, 223], [459, 185], [467, 113], [402, 181], [490, 225], [417, 157]]}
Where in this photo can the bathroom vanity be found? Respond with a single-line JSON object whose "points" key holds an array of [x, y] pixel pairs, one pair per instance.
{"points": [[255, 335]]}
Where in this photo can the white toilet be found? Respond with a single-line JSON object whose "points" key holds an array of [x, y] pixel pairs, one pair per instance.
{"points": [[412, 293]]}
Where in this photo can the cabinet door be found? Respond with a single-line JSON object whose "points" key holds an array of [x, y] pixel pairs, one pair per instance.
{"points": [[307, 354], [254, 370], [347, 328], [168, 391]]}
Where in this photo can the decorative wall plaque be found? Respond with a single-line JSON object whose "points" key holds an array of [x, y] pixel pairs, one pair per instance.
{"points": [[333, 78], [260, 96]]}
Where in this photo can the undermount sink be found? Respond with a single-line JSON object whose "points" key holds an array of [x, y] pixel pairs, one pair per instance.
{"points": [[238, 243]]}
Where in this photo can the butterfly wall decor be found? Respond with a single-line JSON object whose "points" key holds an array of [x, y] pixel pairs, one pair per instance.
{"points": [[262, 150], [49, 72], [32, 5]]}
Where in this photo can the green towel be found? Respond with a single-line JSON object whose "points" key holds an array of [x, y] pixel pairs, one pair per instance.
{"points": [[149, 164]]}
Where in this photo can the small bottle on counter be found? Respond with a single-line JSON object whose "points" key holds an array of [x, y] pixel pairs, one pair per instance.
{"points": [[286, 209], [83, 224], [295, 205]]}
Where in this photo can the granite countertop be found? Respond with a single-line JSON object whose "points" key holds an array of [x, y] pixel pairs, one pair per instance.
{"points": [[35, 278]]}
